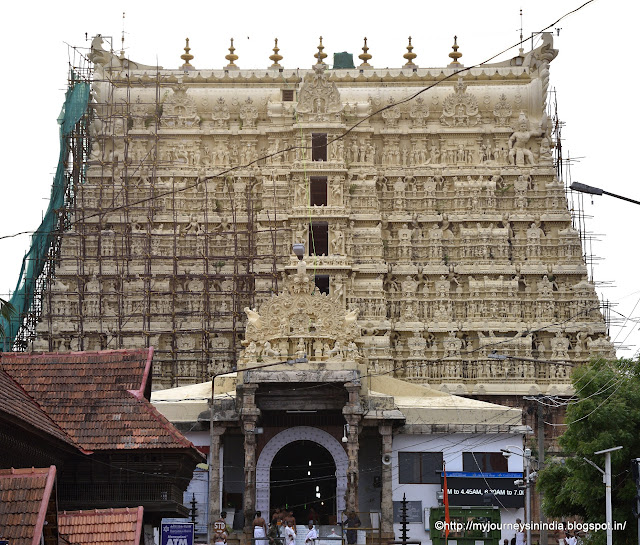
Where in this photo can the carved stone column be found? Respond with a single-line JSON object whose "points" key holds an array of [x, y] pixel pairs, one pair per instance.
{"points": [[249, 416], [352, 412], [214, 475], [386, 503]]}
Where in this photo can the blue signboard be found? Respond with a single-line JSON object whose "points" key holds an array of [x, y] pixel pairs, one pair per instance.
{"points": [[176, 533], [482, 475]]}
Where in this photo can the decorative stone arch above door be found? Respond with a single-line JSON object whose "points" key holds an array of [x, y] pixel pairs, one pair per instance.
{"points": [[300, 433]]}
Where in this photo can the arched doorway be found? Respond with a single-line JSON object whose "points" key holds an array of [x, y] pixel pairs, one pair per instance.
{"points": [[303, 477], [293, 435]]}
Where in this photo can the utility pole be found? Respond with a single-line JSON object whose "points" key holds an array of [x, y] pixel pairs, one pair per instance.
{"points": [[607, 484], [543, 530], [528, 483], [635, 471]]}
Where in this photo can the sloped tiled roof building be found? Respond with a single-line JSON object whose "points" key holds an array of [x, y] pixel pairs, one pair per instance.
{"points": [[111, 446], [28, 510], [102, 526]]}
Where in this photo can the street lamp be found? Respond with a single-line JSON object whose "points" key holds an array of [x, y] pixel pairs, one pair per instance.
{"points": [[526, 454], [584, 188]]}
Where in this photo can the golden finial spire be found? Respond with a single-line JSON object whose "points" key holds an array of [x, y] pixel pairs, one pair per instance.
{"points": [[454, 54], [410, 55], [122, 43], [364, 56], [320, 55], [231, 57], [186, 57], [275, 57]]}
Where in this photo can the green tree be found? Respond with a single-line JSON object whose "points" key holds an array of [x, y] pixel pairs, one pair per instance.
{"points": [[604, 413]]}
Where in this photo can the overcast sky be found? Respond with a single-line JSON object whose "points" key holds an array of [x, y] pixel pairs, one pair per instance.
{"points": [[594, 82]]}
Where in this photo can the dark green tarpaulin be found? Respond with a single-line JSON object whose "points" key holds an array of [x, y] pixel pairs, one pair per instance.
{"points": [[343, 60]]}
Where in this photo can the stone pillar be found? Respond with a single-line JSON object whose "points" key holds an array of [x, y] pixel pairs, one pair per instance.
{"points": [[249, 416], [386, 503], [352, 412], [214, 476]]}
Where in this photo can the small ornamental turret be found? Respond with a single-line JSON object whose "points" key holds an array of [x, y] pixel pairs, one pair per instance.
{"points": [[320, 55], [276, 58], [231, 57], [454, 54], [365, 57], [409, 56], [186, 57]]}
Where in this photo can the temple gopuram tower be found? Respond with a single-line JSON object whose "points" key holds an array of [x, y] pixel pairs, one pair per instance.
{"points": [[440, 218]]}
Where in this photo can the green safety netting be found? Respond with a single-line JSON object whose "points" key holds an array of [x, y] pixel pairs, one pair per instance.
{"points": [[343, 60], [75, 105]]}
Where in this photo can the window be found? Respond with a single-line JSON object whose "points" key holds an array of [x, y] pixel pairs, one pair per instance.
{"points": [[318, 191], [319, 238], [319, 146], [485, 462], [419, 467], [322, 283], [287, 95]]}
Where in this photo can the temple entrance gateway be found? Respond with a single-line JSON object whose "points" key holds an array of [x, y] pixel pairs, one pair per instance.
{"points": [[306, 444], [303, 477]]}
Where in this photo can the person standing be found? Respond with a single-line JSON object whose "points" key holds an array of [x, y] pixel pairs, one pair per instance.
{"points": [[290, 520], [289, 534], [353, 522], [276, 516], [274, 534], [221, 524], [259, 529], [312, 535], [220, 537], [571, 539]]}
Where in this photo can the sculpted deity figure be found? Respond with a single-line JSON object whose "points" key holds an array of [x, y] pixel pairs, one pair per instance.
{"points": [[301, 232], [268, 351], [518, 152], [434, 154], [337, 243], [338, 288], [336, 192], [534, 236], [545, 149]]}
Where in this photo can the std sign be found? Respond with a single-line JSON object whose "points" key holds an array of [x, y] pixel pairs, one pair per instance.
{"points": [[177, 533]]}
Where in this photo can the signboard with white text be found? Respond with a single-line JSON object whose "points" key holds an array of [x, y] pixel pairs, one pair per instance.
{"points": [[472, 489], [176, 533]]}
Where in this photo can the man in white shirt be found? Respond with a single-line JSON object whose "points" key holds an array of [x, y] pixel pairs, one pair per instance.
{"points": [[289, 534], [571, 539], [312, 535]]}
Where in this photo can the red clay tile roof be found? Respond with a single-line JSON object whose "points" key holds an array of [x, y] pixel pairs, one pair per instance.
{"points": [[18, 404], [24, 497], [102, 526], [97, 398]]}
